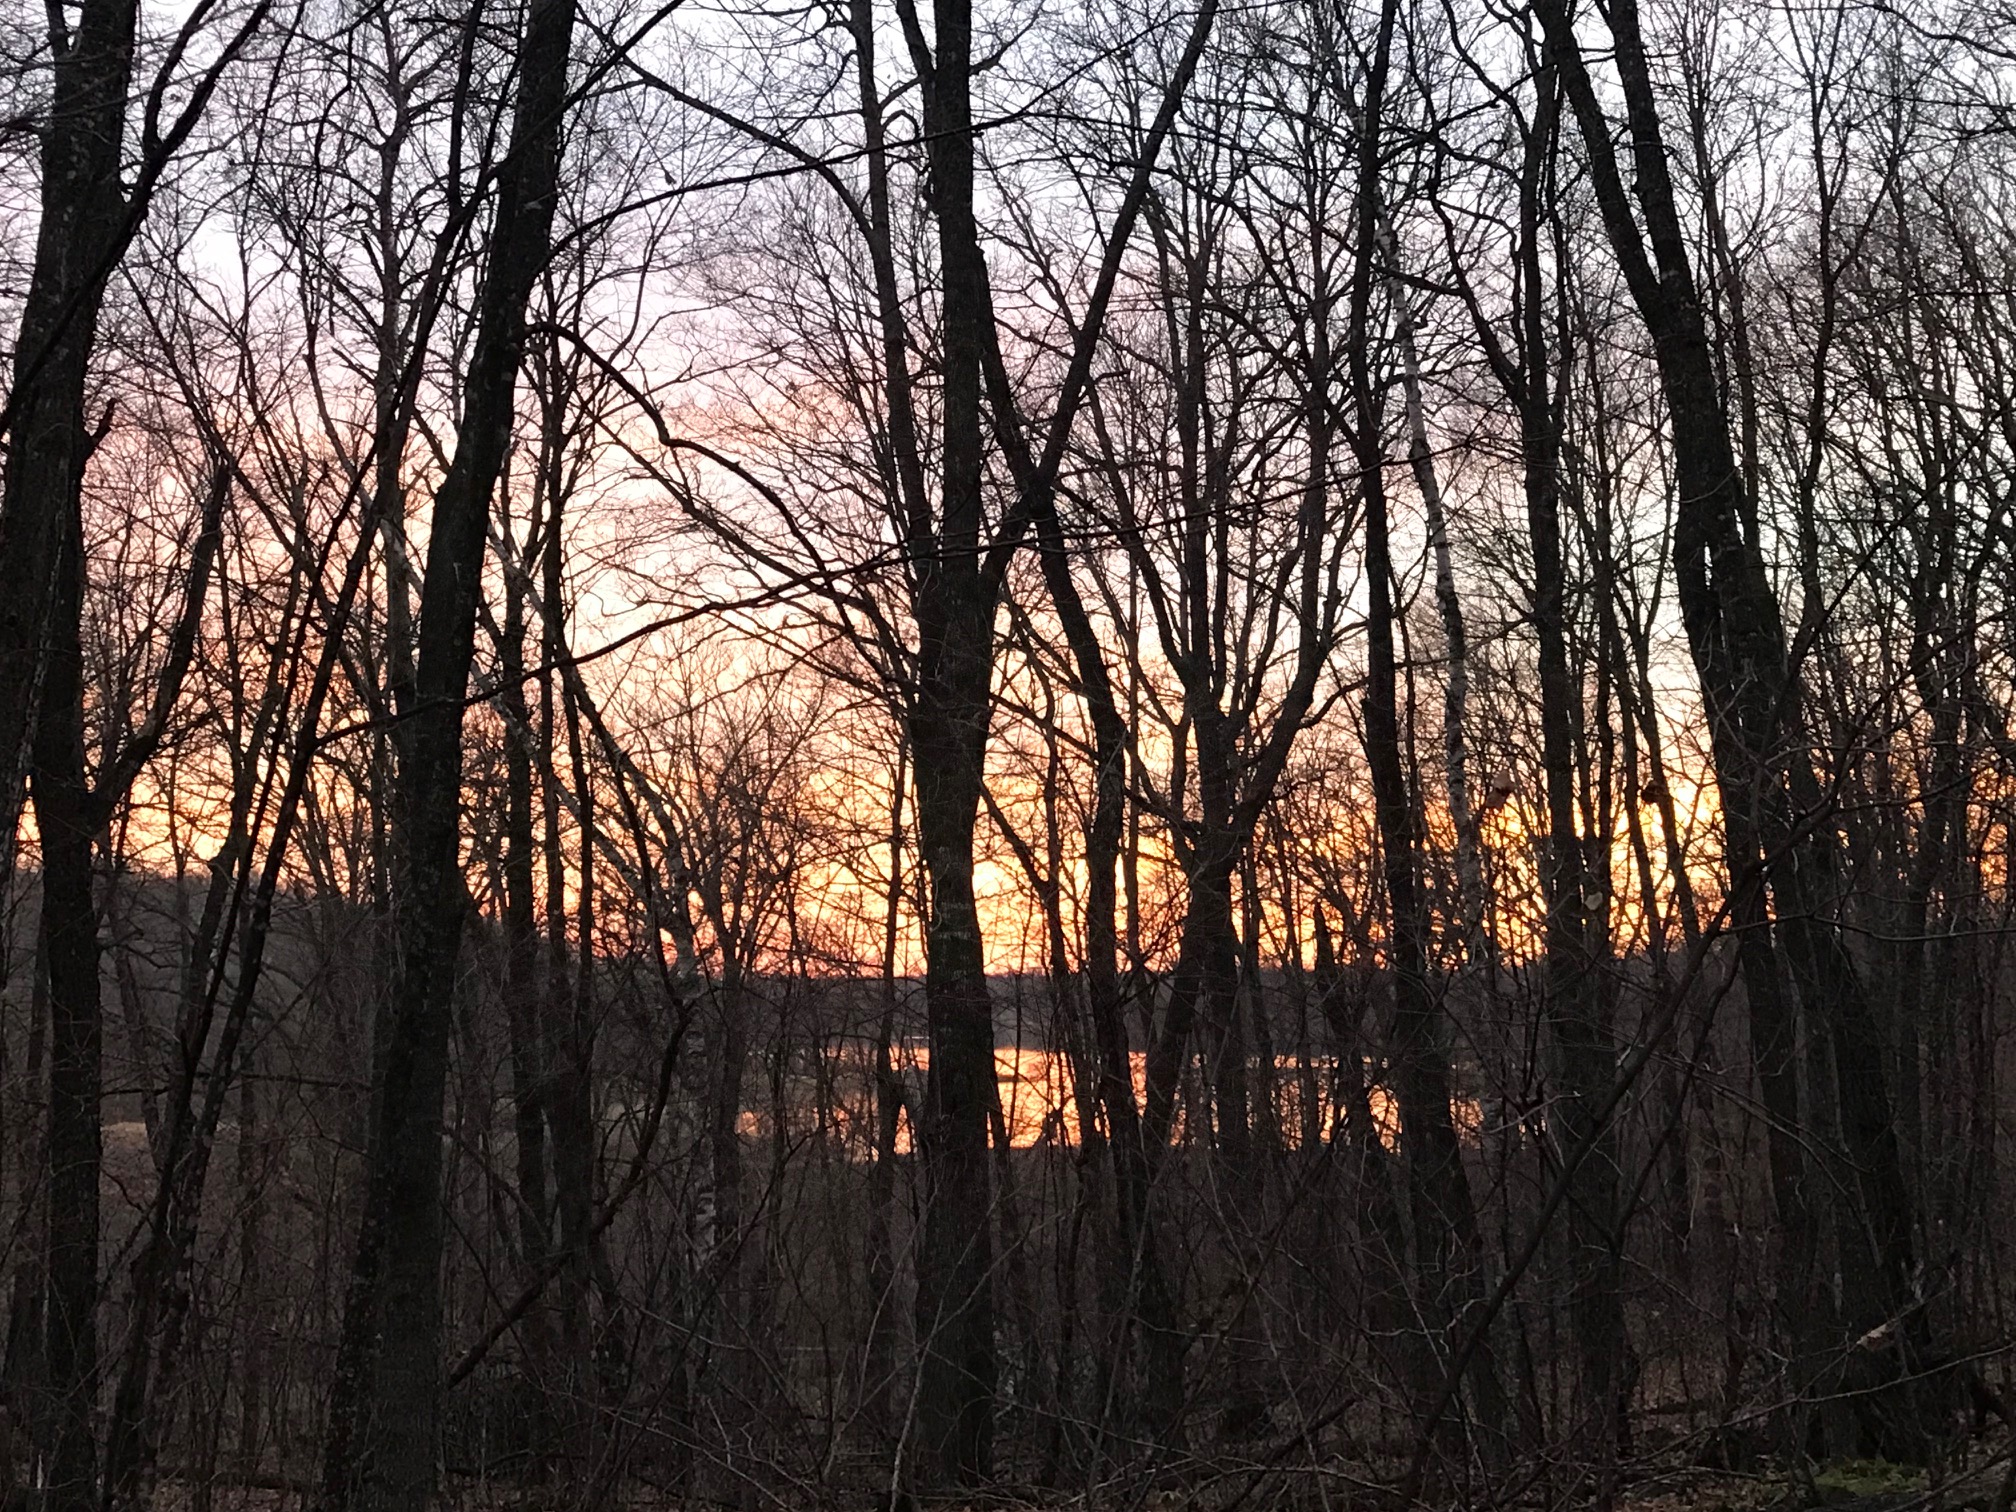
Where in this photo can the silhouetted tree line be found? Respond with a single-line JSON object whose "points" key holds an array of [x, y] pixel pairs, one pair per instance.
{"points": [[814, 755]]}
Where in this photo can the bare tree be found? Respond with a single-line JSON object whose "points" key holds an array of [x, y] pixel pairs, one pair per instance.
{"points": [[384, 1414]]}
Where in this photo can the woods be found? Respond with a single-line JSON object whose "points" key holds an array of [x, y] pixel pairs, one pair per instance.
{"points": [[881, 755]]}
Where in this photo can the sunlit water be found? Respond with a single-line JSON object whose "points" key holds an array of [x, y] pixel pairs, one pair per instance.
{"points": [[1039, 1107]]}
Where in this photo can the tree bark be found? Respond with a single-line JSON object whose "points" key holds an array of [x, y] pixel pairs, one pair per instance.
{"points": [[1576, 931], [1148, 1303], [1446, 1241], [64, 818], [948, 721], [1470, 899], [42, 683], [82, 207], [1777, 820], [525, 991], [385, 1409]]}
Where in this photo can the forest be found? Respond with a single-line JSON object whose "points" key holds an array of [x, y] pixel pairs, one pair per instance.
{"points": [[843, 754]]}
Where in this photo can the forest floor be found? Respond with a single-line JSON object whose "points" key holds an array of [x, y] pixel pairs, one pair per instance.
{"points": [[1982, 1483]]}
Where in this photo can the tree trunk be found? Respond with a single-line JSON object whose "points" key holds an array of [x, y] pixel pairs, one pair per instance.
{"points": [[1148, 1303], [955, 604], [879, 1367], [1471, 902], [525, 991], [955, 1306], [1770, 793], [1576, 931], [566, 1028], [63, 818], [82, 207], [386, 1404], [41, 677], [1446, 1241]]}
